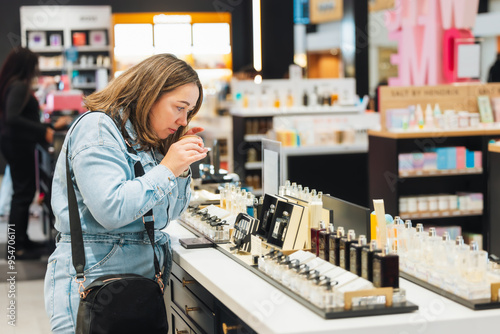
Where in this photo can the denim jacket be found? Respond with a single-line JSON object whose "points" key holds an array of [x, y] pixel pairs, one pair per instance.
{"points": [[110, 198]]}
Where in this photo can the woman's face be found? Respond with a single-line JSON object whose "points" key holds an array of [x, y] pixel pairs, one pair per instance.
{"points": [[171, 110]]}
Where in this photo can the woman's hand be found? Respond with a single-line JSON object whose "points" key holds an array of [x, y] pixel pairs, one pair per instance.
{"points": [[183, 153], [194, 131]]}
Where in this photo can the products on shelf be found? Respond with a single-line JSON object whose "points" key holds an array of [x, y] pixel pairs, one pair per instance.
{"points": [[413, 118], [442, 158], [462, 202]]}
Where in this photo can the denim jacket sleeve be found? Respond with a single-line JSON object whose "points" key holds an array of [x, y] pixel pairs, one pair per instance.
{"points": [[103, 176]]}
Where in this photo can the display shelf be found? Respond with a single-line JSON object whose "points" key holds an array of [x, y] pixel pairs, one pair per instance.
{"points": [[320, 150], [440, 172], [90, 85], [253, 138], [47, 49], [90, 48], [253, 165], [487, 131], [294, 111], [494, 148], [336, 313], [267, 310], [386, 182], [473, 304], [441, 214]]}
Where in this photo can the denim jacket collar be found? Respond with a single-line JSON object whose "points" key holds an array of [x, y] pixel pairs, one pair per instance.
{"points": [[147, 156]]}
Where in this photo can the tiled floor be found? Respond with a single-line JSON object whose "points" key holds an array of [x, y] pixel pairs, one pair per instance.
{"points": [[30, 310]]}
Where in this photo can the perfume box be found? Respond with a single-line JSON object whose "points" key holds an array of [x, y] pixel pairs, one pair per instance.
{"points": [[305, 236], [244, 227], [97, 38], [266, 215], [79, 38], [294, 228], [36, 39], [460, 157]]}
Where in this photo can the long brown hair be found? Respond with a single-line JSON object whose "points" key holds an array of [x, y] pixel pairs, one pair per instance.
{"points": [[137, 89], [20, 65]]}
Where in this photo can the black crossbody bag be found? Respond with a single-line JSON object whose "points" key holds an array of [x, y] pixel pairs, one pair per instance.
{"points": [[119, 303]]}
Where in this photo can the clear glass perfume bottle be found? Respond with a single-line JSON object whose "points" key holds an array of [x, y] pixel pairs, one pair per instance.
{"points": [[335, 246], [344, 248], [355, 255]]}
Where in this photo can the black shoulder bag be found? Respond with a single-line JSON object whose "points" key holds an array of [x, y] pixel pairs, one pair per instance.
{"points": [[120, 303]]}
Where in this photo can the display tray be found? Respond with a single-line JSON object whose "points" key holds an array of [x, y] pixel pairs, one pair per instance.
{"points": [[198, 233], [473, 304], [336, 313]]}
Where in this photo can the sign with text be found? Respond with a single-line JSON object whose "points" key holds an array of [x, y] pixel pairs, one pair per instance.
{"points": [[325, 10]]}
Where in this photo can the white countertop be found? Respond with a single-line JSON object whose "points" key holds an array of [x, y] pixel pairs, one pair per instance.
{"points": [[268, 310]]}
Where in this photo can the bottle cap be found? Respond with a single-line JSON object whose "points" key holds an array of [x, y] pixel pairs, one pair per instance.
{"points": [[459, 240], [432, 231], [322, 224], [351, 235], [340, 231], [362, 240], [373, 245], [446, 236], [474, 246], [420, 227], [408, 223]]}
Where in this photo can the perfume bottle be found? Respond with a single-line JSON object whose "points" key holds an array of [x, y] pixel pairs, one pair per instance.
{"points": [[367, 255], [280, 226], [324, 244], [315, 208], [355, 255], [277, 101], [268, 216], [315, 237], [334, 245], [345, 246], [289, 99], [386, 269]]}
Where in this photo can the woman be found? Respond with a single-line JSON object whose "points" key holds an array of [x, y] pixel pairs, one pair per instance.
{"points": [[20, 131], [149, 107]]}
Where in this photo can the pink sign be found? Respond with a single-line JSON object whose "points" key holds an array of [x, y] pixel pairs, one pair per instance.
{"points": [[427, 32]]}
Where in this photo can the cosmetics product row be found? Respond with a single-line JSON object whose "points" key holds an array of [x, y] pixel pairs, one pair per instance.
{"points": [[325, 284], [414, 118], [463, 270]]}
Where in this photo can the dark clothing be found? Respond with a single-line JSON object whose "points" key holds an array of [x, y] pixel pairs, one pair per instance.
{"points": [[494, 73], [21, 115], [21, 129]]}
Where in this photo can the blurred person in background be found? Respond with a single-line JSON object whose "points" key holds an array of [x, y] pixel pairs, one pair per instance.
{"points": [[20, 131]]}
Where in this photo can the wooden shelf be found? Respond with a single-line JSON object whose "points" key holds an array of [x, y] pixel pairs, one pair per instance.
{"points": [[494, 148], [440, 172], [493, 131], [440, 214]]}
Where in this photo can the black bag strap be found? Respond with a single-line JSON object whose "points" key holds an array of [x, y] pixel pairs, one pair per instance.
{"points": [[77, 248]]}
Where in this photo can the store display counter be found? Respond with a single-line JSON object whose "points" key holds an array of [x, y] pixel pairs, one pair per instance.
{"points": [[494, 197], [267, 310]]}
